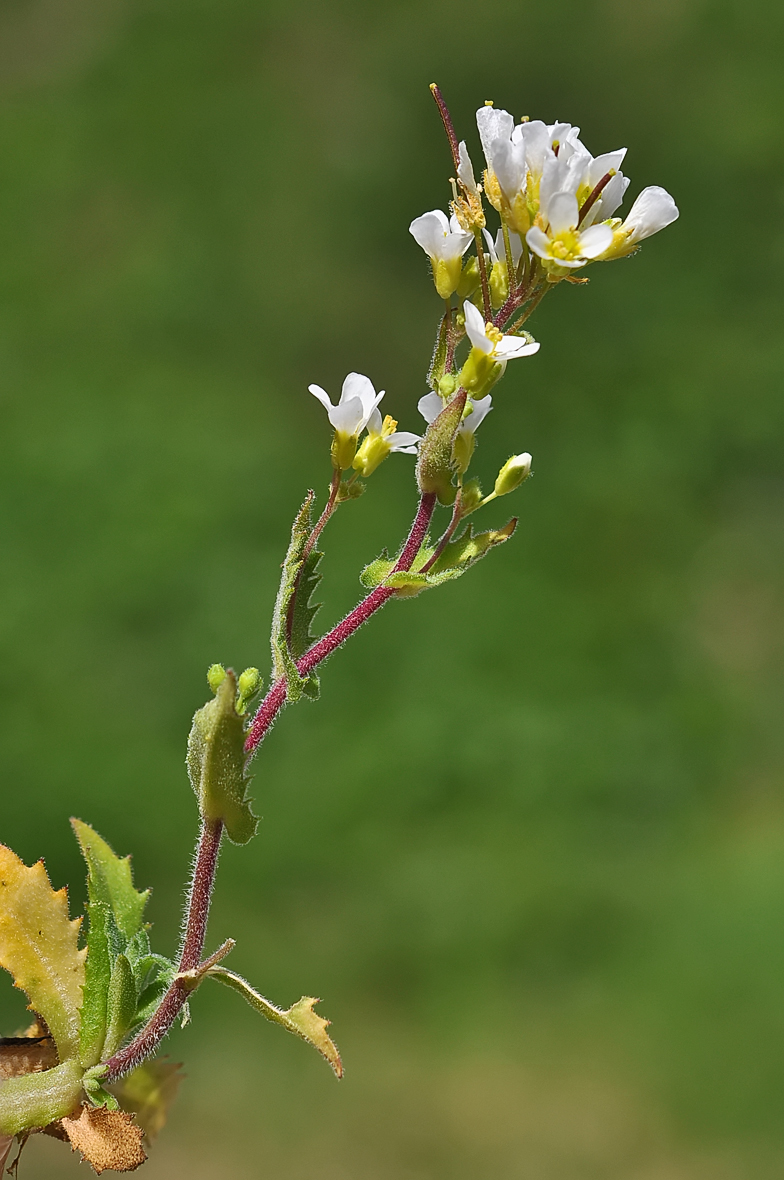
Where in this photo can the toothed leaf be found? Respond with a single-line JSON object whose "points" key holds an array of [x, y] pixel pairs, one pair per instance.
{"points": [[216, 764], [39, 947], [299, 1018]]}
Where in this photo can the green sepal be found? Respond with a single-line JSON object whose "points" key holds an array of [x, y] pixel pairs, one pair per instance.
{"points": [[435, 464], [457, 557], [38, 1099], [293, 610], [350, 489], [120, 1005], [216, 764]]}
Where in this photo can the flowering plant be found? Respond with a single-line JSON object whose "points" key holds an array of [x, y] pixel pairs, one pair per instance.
{"points": [[86, 1069]]}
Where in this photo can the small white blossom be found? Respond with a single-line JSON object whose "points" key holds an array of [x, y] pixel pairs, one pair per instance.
{"points": [[358, 401], [561, 241], [653, 210], [381, 440], [497, 248], [490, 341], [445, 243]]}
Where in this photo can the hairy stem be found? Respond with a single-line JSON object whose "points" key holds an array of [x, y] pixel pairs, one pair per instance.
{"points": [[446, 119], [194, 933], [448, 533], [198, 906], [275, 698]]}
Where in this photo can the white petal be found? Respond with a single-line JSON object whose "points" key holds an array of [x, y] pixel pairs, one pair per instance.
{"points": [[653, 210], [595, 241], [608, 200], [357, 385], [374, 421], [538, 241], [562, 212], [555, 177], [465, 171], [601, 165], [515, 346], [348, 416], [492, 125], [493, 246], [322, 395], [481, 409], [516, 242], [509, 166], [475, 327], [429, 231], [536, 137], [404, 440], [430, 406]]}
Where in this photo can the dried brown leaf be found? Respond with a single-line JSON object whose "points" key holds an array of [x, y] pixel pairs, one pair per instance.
{"points": [[109, 1140]]}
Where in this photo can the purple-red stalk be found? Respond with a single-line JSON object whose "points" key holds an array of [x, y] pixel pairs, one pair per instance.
{"points": [[446, 119], [203, 879]]}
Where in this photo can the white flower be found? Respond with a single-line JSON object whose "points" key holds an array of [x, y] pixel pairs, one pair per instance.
{"points": [[445, 243], [489, 340], [653, 210], [380, 441], [358, 401], [562, 242], [497, 248]]}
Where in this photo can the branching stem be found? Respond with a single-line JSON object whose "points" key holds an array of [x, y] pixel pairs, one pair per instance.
{"points": [[198, 906]]}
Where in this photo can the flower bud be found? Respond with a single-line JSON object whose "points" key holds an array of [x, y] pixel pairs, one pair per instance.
{"points": [[499, 283], [248, 685], [447, 385], [470, 278], [216, 674], [514, 472]]}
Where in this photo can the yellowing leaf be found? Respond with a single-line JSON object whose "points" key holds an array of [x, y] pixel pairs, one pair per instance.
{"points": [[108, 1139], [299, 1018], [39, 947]]}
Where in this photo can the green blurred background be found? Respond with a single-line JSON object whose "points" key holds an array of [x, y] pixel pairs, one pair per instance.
{"points": [[529, 847]]}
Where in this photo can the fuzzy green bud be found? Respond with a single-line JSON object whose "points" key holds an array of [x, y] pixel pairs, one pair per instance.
{"points": [[471, 497], [499, 283], [216, 674], [447, 385], [248, 685], [470, 278], [514, 472]]}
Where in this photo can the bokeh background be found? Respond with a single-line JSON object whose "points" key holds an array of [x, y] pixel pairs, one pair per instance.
{"points": [[529, 846]]}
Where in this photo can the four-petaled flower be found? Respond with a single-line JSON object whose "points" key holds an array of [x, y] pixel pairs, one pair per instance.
{"points": [[382, 439], [562, 240], [490, 341], [653, 210], [445, 243], [358, 400]]}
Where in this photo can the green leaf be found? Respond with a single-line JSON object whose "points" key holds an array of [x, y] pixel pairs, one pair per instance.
{"points": [[110, 880], [299, 1018], [115, 911], [216, 764], [304, 608], [37, 1099], [120, 1005], [295, 566], [457, 557], [435, 464], [39, 947]]}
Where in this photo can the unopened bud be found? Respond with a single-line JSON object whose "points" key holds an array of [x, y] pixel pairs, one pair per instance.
{"points": [[499, 283], [447, 385], [470, 278], [248, 685], [514, 472], [216, 674]]}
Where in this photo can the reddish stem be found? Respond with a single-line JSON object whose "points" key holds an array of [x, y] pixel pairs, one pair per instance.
{"points": [[446, 119], [275, 698], [148, 1039]]}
